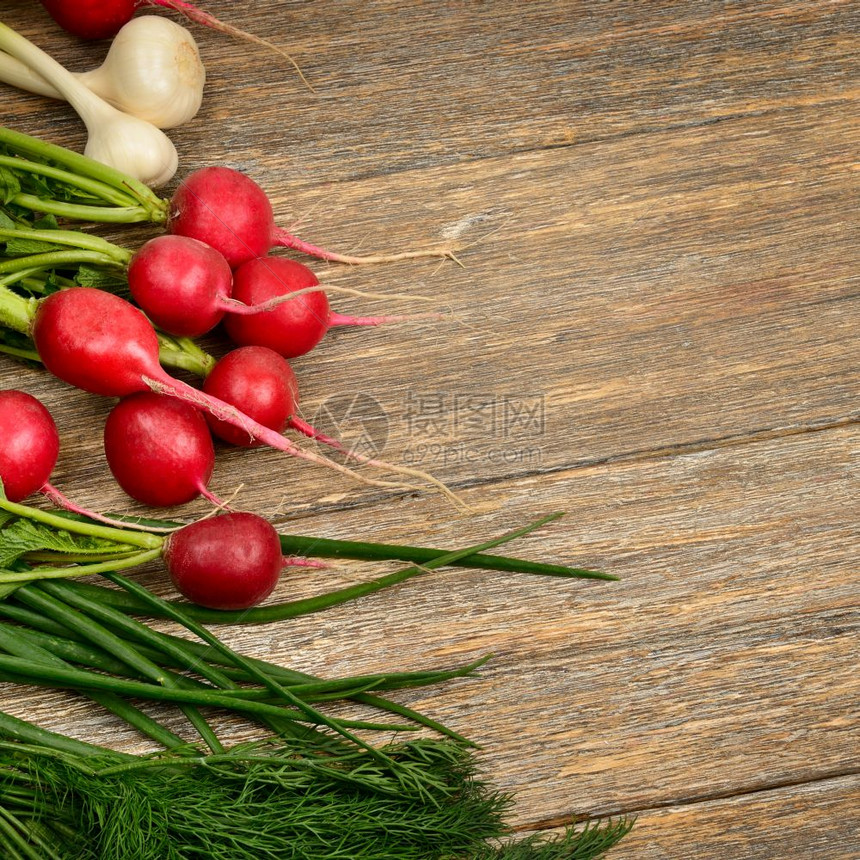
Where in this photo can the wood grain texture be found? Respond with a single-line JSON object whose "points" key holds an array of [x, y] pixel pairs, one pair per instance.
{"points": [[815, 820], [463, 80], [655, 329]]}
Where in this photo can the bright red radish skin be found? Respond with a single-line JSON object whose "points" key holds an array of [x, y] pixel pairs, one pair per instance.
{"points": [[182, 285], [225, 209], [91, 19], [229, 211], [96, 341], [260, 381], [292, 328], [232, 561], [159, 449], [29, 444]]}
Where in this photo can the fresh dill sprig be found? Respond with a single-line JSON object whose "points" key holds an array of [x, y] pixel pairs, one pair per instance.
{"points": [[286, 799]]}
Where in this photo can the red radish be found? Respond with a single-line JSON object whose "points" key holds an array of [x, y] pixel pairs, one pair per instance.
{"points": [[91, 19], [29, 447], [96, 341], [262, 382], [29, 444], [182, 285], [292, 327], [229, 211], [232, 561], [159, 449], [101, 343]]}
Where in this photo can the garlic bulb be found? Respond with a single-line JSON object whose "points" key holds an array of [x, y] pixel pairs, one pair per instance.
{"points": [[152, 71], [130, 145], [126, 143]]}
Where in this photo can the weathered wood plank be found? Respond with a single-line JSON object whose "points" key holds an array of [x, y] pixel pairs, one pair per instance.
{"points": [[817, 820], [410, 85]]}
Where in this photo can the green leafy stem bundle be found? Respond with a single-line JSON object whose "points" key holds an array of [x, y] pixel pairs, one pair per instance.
{"points": [[313, 789]]}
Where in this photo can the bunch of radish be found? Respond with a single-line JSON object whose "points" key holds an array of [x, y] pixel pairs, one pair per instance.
{"points": [[101, 343], [213, 265], [231, 561], [158, 440]]}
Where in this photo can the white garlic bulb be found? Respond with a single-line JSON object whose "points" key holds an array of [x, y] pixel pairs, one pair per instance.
{"points": [[131, 145], [152, 71]]}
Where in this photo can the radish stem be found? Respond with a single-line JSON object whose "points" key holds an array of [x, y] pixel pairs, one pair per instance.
{"points": [[73, 238], [12, 576], [82, 166], [92, 187]]}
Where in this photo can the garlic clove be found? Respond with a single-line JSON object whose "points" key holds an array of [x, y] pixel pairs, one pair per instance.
{"points": [[153, 70]]}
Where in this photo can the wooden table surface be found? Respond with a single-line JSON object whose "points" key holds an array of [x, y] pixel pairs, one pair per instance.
{"points": [[655, 329]]}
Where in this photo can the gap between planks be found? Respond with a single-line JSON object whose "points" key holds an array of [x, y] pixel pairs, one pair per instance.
{"points": [[683, 802], [645, 455]]}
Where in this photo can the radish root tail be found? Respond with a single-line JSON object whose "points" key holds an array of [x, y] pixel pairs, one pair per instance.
{"points": [[237, 307], [301, 561], [287, 240], [311, 432], [50, 492], [199, 16]]}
